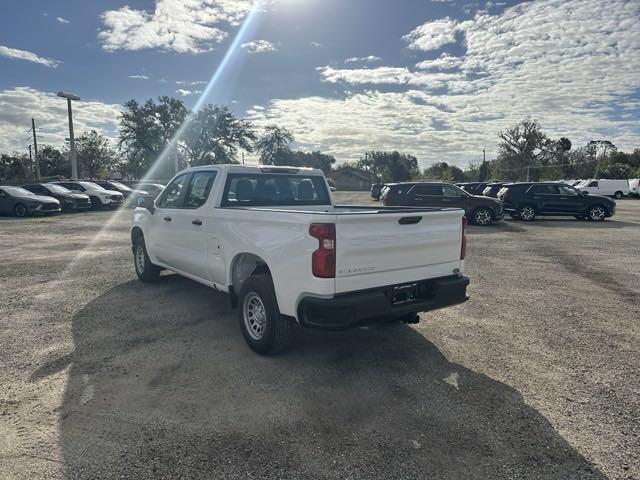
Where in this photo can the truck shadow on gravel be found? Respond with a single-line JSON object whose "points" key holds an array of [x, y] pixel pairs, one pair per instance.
{"points": [[161, 385]]}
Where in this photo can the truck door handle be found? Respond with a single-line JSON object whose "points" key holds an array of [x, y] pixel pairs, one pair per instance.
{"points": [[409, 220], [197, 222], [167, 219]]}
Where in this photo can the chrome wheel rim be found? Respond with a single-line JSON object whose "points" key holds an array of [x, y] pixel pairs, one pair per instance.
{"points": [[140, 259], [483, 217], [527, 213], [254, 315], [597, 213], [21, 211]]}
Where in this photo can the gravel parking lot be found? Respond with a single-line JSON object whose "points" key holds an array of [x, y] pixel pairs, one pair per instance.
{"points": [[537, 376]]}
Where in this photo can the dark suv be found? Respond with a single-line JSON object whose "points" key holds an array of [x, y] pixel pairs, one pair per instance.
{"points": [[527, 200], [492, 189], [479, 210], [474, 188]]}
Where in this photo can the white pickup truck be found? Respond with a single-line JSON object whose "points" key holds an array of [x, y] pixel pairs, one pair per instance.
{"points": [[272, 239]]}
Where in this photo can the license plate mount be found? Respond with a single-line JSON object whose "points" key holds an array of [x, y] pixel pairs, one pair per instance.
{"points": [[404, 293]]}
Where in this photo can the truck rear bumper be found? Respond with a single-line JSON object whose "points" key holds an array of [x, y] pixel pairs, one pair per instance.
{"points": [[376, 305]]}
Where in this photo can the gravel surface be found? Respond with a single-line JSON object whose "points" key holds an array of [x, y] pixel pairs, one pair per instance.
{"points": [[537, 376]]}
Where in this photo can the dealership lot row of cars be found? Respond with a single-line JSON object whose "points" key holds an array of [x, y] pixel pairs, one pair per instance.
{"points": [[486, 203], [71, 195]]}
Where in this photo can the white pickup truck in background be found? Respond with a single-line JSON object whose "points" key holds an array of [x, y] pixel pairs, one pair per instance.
{"points": [[272, 239]]}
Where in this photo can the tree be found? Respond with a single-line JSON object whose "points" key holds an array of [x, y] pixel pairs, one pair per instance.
{"points": [[312, 159], [214, 135], [444, 171], [95, 154], [522, 147], [274, 146], [619, 171], [146, 131], [389, 166], [53, 162]]}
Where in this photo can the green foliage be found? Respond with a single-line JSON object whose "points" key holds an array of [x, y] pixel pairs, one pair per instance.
{"points": [[14, 167], [444, 171], [95, 154], [214, 135], [274, 146], [311, 159], [53, 163], [389, 166], [616, 171]]}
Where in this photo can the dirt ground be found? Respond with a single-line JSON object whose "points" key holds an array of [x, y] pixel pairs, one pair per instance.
{"points": [[537, 376]]}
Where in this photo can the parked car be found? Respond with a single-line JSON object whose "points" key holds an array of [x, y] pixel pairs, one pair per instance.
{"points": [[99, 196], [270, 237], [606, 187], [152, 189], [634, 187], [473, 188], [526, 201], [479, 210], [22, 203], [130, 195], [376, 190], [492, 189], [68, 200]]}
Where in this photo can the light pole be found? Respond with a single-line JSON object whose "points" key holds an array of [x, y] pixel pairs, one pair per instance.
{"points": [[72, 143]]}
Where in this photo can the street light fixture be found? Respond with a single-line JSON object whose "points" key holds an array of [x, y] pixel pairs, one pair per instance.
{"points": [[72, 143]]}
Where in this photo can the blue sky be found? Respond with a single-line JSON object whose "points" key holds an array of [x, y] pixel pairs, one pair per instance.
{"points": [[437, 79]]}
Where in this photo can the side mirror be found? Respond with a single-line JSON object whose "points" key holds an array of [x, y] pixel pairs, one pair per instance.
{"points": [[146, 201]]}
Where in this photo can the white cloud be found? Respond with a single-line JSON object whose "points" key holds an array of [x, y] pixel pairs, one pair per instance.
{"points": [[140, 77], [191, 83], [259, 46], [368, 59], [28, 56], [18, 105], [62, 20], [571, 64], [432, 35], [183, 26], [444, 62], [184, 92]]}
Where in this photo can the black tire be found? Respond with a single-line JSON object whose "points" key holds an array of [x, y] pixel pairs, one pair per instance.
{"points": [[20, 210], [482, 216], [527, 213], [597, 213], [618, 195], [265, 330], [96, 204], [146, 271]]}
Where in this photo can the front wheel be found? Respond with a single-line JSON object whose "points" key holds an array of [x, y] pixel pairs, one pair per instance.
{"points": [[618, 195], [146, 271], [482, 216], [527, 213], [263, 327], [95, 203], [20, 211], [597, 213]]}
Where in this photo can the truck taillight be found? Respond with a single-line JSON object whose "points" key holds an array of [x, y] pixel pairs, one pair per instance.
{"points": [[323, 260], [463, 247]]}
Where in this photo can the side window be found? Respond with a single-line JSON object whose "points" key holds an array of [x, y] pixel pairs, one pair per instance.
{"points": [[541, 190], [171, 195], [451, 191], [431, 190], [199, 188], [593, 184], [565, 190]]}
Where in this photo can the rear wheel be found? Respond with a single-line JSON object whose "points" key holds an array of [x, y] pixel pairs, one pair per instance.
{"points": [[146, 271], [527, 213], [597, 213], [95, 203], [264, 329], [482, 216], [20, 210]]}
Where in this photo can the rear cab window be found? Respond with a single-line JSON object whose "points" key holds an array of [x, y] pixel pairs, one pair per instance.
{"points": [[274, 189]]}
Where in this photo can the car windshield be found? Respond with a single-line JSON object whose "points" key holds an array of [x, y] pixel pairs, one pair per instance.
{"points": [[91, 186], [120, 186], [52, 187], [17, 191]]}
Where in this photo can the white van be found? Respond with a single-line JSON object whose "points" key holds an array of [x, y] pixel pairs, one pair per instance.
{"points": [[603, 186], [634, 187]]}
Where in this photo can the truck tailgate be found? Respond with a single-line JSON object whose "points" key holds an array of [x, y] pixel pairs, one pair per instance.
{"points": [[388, 248]]}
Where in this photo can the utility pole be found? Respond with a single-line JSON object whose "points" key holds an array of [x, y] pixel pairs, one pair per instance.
{"points": [[35, 148], [528, 168], [243, 157], [30, 159], [72, 143], [484, 155]]}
